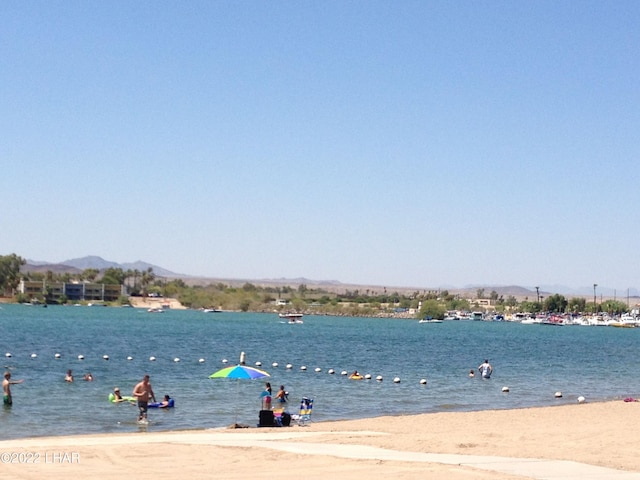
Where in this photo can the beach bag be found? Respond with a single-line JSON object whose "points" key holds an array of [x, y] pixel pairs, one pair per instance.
{"points": [[286, 419], [266, 418]]}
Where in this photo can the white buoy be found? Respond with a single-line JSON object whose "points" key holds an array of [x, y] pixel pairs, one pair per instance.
{"points": [[343, 372], [289, 366], [8, 355], [505, 389], [57, 355], [176, 359], [258, 364], [152, 359], [224, 360], [318, 369], [423, 381], [367, 376], [331, 371], [33, 355], [201, 360], [581, 399], [80, 357], [129, 358], [396, 380], [243, 358], [379, 378], [558, 395], [105, 357], [303, 367], [274, 364]]}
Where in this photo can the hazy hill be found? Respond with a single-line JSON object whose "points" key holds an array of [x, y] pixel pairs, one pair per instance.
{"points": [[77, 265]]}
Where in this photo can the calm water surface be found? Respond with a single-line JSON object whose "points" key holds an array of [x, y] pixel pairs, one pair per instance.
{"points": [[534, 361]]}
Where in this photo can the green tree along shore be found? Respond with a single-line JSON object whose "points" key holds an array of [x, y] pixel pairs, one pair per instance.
{"points": [[299, 298]]}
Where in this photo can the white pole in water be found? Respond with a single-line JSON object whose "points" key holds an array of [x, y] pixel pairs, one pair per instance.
{"points": [[242, 358]]}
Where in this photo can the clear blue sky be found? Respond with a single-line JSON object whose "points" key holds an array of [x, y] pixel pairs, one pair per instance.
{"points": [[390, 143]]}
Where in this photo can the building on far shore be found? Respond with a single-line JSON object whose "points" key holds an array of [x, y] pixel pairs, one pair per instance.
{"points": [[75, 291]]}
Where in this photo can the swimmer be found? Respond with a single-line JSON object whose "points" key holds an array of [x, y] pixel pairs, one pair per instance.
{"points": [[6, 388], [486, 369]]}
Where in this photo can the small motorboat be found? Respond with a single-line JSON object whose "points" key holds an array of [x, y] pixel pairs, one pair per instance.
{"points": [[292, 317]]}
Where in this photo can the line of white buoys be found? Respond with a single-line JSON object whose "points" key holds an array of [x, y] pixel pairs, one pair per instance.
{"points": [[558, 395], [289, 366], [505, 389], [581, 399]]}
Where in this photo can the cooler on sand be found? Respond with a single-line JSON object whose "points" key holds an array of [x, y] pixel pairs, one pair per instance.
{"points": [[266, 418]]}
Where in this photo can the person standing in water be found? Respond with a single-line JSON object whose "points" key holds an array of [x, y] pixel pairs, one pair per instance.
{"points": [[143, 391], [485, 369], [6, 388]]}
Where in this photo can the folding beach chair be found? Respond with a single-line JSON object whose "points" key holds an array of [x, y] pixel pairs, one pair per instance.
{"points": [[304, 415]]}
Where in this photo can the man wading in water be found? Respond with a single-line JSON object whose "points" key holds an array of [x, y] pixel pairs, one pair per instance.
{"points": [[143, 391]]}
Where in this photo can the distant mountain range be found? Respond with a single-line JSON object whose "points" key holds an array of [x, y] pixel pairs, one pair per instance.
{"points": [[77, 265]]}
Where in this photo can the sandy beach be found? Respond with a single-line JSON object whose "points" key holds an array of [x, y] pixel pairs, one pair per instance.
{"points": [[441, 445]]}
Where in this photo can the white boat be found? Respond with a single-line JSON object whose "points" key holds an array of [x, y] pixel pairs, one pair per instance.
{"points": [[156, 310], [211, 310], [430, 320], [292, 317], [625, 321]]}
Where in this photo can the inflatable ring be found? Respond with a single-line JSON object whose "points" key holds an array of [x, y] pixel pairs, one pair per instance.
{"points": [[112, 399]]}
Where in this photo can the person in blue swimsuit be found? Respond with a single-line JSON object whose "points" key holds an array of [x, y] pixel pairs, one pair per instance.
{"points": [[282, 395]]}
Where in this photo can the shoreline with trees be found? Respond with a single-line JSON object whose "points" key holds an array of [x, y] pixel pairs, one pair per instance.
{"points": [[300, 298]]}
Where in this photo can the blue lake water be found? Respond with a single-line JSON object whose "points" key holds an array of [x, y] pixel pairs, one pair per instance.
{"points": [[534, 361]]}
